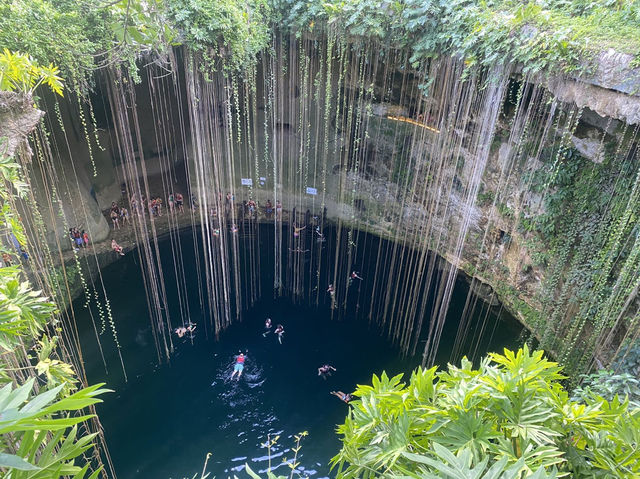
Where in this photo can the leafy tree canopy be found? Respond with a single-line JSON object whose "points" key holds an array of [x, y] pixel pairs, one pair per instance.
{"points": [[539, 35], [64, 32], [224, 28], [81, 35]]}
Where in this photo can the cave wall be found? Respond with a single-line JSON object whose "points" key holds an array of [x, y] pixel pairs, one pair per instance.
{"points": [[86, 187]]}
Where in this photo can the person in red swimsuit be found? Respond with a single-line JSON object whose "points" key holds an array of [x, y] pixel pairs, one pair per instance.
{"points": [[239, 366]]}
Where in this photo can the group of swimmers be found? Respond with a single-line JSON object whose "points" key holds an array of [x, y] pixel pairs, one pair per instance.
{"points": [[267, 329], [323, 371], [182, 330]]}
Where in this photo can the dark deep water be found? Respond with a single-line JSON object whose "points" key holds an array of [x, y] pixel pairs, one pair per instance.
{"points": [[165, 419]]}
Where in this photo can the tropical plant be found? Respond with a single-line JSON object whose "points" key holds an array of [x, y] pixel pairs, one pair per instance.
{"points": [[22, 310], [511, 411], [19, 72], [41, 432], [607, 384], [446, 465]]}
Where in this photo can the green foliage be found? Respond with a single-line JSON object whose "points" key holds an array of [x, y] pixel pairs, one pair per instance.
{"points": [[39, 437], [66, 33], [621, 380], [43, 433], [253, 475], [18, 72], [538, 35], [142, 24], [485, 198], [22, 310], [224, 29], [509, 418], [628, 359], [80, 35], [446, 465], [607, 384]]}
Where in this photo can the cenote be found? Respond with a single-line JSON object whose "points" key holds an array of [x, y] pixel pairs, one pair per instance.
{"points": [[188, 407], [399, 184]]}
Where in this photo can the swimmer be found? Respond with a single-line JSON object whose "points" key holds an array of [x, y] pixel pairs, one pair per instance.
{"points": [[234, 228], [239, 366], [354, 275], [331, 290], [318, 232], [299, 250], [181, 331], [279, 331], [342, 396], [267, 327], [325, 371], [296, 230], [191, 328], [216, 232]]}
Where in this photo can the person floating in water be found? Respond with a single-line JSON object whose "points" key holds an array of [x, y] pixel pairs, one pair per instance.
{"points": [[342, 396], [331, 290], [279, 331], [354, 275], [267, 327], [181, 331], [325, 371], [239, 366], [234, 228]]}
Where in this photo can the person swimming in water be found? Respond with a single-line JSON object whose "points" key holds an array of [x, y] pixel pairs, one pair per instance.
{"points": [[296, 230], [279, 331], [181, 331], [325, 371], [239, 366], [267, 327], [342, 396], [354, 275]]}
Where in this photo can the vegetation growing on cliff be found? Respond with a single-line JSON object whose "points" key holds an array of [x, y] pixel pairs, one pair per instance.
{"points": [[82, 36], [41, 407]]}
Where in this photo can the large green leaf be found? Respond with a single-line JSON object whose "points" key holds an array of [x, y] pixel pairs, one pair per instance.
{"points": [[11, 461]]}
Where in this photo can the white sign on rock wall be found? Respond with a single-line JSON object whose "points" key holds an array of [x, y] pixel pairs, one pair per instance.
{"points": [[246, 181]]}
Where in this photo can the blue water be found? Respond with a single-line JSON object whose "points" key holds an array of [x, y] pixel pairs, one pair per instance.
{"points": [[166, 418]]}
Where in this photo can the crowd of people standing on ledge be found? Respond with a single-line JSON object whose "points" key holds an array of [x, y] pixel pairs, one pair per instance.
{"points": [[235, 213]]}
